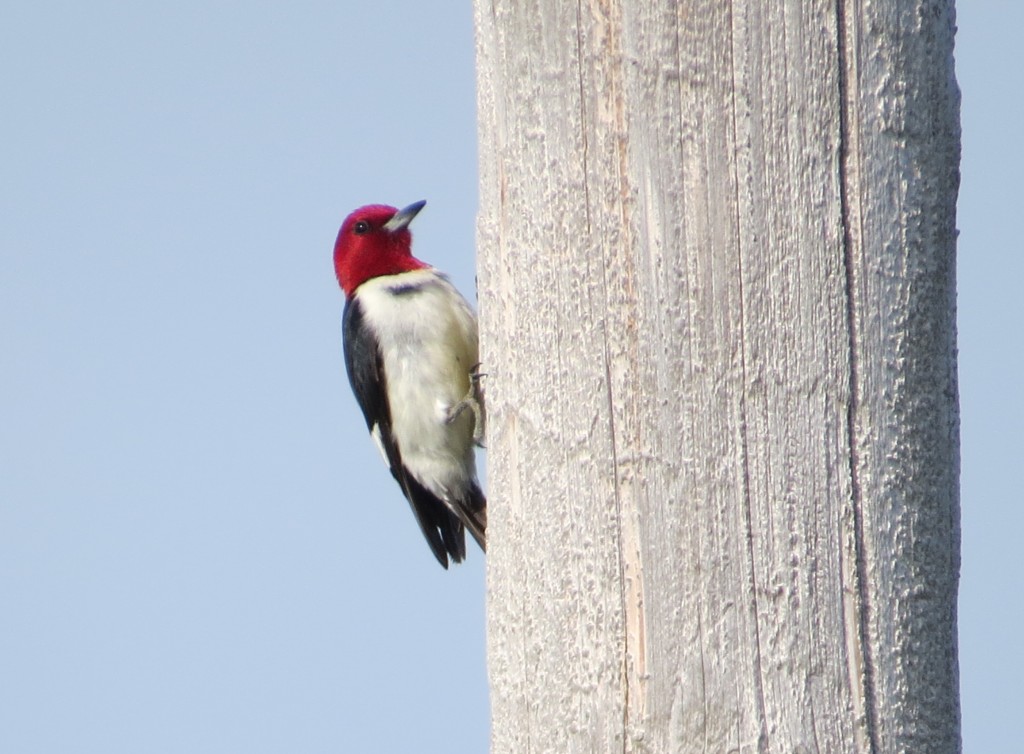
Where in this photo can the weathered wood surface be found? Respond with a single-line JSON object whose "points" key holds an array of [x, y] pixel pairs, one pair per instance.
{"points": [[717, 251]]}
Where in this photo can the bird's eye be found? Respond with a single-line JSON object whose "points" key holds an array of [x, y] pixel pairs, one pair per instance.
{"points": [[361, 227]]}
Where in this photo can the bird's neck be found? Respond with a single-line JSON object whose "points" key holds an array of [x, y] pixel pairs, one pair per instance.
{"points": [[355, 271]]}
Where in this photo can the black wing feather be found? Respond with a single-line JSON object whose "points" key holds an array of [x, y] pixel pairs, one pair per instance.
{"points": [[442, 529]]}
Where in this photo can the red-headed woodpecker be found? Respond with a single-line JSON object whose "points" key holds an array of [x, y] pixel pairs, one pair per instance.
{"points": [[411, 355]]}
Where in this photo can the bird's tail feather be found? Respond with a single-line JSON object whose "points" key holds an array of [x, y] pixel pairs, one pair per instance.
{"points": [[473, 514]]}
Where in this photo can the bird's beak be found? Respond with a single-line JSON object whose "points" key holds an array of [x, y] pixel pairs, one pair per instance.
{"points": [[403, 217]]}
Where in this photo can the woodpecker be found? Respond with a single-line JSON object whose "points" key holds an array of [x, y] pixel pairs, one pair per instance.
{"points": [[410, 342]]}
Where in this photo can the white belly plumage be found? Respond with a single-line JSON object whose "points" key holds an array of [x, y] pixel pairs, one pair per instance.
{"points": [[428, 340]]}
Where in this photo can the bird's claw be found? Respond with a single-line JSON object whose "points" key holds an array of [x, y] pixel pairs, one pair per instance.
{"points": [[474, 401]]}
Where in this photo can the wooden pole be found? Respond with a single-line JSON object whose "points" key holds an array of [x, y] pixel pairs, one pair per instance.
{"points": [[717, 281]]}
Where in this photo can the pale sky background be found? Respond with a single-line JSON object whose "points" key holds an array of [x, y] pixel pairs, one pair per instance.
{"points": [[200, 550]]}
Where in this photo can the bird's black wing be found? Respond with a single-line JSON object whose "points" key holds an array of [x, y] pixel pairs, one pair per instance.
{"points": [[441, 528]]}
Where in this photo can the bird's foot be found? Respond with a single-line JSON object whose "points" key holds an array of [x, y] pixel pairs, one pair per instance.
{"points": [[473, 401]]}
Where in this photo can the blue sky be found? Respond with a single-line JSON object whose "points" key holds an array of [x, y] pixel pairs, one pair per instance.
{"points": [[199, 548]]}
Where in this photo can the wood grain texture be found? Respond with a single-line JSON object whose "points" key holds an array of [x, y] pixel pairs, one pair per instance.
{"points": [[716, 249]]}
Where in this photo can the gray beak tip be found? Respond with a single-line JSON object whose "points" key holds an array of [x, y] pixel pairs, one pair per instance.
{"points": [[403, 217]]}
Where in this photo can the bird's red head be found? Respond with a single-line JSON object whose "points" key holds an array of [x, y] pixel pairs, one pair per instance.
{"points": [[373, 241]]}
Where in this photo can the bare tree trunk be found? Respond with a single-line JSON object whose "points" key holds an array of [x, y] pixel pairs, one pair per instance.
{"points": [[717, 249]]}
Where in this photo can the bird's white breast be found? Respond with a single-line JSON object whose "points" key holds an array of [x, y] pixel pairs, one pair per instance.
{"points": [[427, 335]]}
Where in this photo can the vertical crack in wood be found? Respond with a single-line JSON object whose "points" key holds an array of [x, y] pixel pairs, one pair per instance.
{"points": [[630, 566], [583, 110], [849, 217], [618, 516], [745, 501], [609, 387]]}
